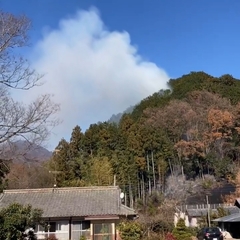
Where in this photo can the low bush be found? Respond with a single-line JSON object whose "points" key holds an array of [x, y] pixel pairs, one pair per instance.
{"points": [[130, 230]]}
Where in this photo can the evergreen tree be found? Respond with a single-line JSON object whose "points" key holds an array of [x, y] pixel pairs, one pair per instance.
{"points": [[76, 142], [181, 232], [59, 163]]}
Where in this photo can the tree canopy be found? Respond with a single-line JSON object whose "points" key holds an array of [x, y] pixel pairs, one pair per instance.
{"points": [[30, 121], [16, 219], [190, 130]]}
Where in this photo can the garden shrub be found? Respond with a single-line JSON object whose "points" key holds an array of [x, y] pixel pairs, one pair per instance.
{"points": [[181, 231], [130, 230]]}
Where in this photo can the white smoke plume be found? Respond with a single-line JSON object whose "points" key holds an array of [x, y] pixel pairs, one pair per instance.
{"points": [[91, 71]]}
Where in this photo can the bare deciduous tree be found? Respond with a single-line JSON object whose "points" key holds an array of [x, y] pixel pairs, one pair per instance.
{"points": [[31, 122], [15, 71]]}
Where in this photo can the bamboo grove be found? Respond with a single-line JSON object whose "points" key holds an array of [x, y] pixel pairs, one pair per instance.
{"points": [[191, 129]]}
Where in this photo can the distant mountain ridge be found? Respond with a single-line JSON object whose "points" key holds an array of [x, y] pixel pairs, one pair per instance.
{"points": [[115, 118], [20, 151]]}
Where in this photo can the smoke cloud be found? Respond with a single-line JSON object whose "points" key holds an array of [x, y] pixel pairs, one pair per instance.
{"points": [[92, 72]]}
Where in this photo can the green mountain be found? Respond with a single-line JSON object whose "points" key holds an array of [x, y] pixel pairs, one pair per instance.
{"points": [[168, 142]]}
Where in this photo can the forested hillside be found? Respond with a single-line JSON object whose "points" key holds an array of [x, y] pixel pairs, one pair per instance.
{"points": [[171, 139], [191, 130]]}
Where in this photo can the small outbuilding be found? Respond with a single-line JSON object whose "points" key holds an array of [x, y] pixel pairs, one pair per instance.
{"points": [[231, 222]]}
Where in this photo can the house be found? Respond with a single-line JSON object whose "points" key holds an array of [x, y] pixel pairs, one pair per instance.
{"points": [[193, 214], [70, 213], [231, 222]]}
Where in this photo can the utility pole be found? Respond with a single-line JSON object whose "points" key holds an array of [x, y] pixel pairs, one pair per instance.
{"points": [[208, 212], [55, 172], [55, 176], [114, 180]]}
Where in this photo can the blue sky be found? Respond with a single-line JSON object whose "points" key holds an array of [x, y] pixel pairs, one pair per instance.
{"points": [[160, 39], [178, 35]]}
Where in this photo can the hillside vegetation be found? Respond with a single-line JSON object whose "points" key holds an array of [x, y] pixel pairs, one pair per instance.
{"points": [[190, 131], [177, 143]]}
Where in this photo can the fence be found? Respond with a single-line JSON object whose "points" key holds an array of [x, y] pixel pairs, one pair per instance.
{"points": [[204, 206], [63, 235], [57, 235]]}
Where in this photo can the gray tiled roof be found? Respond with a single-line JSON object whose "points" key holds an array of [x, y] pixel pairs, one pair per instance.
{"points": [[196, 212], [70, 202], [230, 218], [203, 212]]}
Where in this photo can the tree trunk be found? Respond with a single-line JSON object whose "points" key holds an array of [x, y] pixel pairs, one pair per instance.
{"points": [[125, 196], [154, 176], [170, 166], [143, 190], [159, 177], [130, 193], [149, 180], [139, 186], [182, 172]]}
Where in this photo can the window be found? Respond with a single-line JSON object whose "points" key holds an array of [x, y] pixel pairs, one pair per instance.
{"points": [[103, 231], [62, 226], [213, 230], [80, 228], [51, 227]]}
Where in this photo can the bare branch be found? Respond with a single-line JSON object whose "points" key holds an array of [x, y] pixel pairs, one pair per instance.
{"points": [[15, 71], [17, 120], [30, 122]]}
